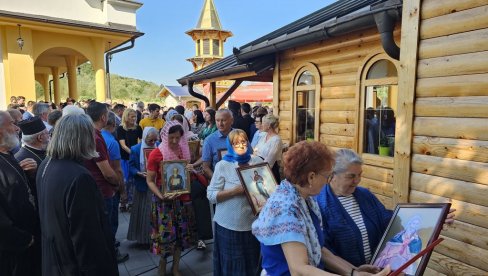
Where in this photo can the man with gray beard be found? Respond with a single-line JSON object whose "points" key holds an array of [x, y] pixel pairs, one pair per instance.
{"points": [[35, 139], [19, 221]]}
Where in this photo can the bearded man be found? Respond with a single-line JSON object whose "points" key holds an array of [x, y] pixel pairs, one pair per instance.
{"points": [[20, 241]]}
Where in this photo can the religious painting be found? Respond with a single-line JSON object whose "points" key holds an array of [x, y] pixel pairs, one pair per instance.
{"points": [[259, 184], [221, 153], [194, 150], [175, 177], [147, 151], [411, 229]]}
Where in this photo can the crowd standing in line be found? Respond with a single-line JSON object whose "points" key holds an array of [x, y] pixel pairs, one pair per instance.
{"points": [[78, 166]]}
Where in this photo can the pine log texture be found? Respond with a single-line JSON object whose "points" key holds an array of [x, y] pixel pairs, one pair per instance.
{"points": [[338, 129], [453, 86], [450, 188], [339, 92], [468, 254], [435, 8], [377, 187], [337, 104], [468, 42], [471, 150], [462, 64], [458, 22], [377, 173], [377, 160], [337, 141], [448, 266], [459, 128], [476, 172], [387, 201], [340, 117], [467, 233], [476, 107]]}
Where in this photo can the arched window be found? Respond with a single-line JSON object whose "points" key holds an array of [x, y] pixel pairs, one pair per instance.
{"points": [[379, 106], [306, 103]]}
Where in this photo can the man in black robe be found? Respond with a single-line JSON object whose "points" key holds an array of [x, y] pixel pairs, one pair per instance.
{"points": [[19, 221], [35, 138]]}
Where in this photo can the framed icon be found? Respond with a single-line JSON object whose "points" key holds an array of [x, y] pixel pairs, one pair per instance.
{"points": [[411, 229], [194, 150], [259, 184], [175, 177], [147, 151], [221, 153]]}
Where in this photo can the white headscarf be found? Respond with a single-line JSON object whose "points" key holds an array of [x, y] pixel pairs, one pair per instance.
{"points": [[145, 133]]}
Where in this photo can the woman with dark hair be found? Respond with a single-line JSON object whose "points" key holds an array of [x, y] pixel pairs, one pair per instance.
{"points": [[172, 217], [77, 238], [198, 122], [210, 126], [236, 250], [289, 226]]}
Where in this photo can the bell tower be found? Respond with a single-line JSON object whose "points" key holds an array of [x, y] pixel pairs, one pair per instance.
{"points": [[209, 37]]}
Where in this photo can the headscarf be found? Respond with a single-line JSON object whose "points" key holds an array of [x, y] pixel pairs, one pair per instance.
{"points": [[188, 133], [145, 133], [170, 114], [183, 151], [232, 156]]}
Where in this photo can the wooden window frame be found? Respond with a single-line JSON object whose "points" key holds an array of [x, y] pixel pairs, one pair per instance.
{"points": [[312, 68], [368, 158]]}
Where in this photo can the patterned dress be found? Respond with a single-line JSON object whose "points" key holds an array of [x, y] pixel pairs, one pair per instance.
{"points": [[172, 221]]}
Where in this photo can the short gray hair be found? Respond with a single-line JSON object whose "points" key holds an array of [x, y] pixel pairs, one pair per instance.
{"points": [[272, 120], [30, 139], [72, 109], [73, 138], [111, 119], [40, 108], [224, 111], [344, 158]]}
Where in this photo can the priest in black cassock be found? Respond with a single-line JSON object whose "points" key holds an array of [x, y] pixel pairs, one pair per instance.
{"points": [[35, 139], [19, 221]]}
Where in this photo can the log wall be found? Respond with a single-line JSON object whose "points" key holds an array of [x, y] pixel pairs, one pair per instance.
{"points": [[339, 61], [450, 142]]}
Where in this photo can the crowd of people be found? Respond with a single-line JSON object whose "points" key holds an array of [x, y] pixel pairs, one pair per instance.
{"points": [[68, 172]]}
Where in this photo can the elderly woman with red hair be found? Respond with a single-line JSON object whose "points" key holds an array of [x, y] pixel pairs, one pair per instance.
{"points": [[289, 226]]}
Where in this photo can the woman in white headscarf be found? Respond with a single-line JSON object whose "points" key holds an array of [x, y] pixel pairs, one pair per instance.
{"points": [[139, 224]]}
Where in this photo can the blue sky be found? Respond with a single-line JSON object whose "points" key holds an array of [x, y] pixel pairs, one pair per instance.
{"points": [[160, 55]]}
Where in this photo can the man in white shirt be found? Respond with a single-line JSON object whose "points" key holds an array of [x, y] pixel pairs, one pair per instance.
{"points": [[42, 110]]}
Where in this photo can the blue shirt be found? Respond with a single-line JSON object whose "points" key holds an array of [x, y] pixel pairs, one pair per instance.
{"points": [[211, 146], [113, 147]]}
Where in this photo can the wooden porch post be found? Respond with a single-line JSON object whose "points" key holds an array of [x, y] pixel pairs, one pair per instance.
{"points": [[407, 77], [213, 95]]}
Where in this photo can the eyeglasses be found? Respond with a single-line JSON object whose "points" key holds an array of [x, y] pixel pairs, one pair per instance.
{"points": [[327, 174], [241, 143], [352, 176]]}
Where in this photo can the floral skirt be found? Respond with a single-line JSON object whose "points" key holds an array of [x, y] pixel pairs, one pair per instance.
{"points": [[172, 226]]}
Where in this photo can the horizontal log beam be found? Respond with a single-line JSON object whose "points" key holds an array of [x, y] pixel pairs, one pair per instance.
{"points": [[464, 252], [339, 92], [455, 44], [377, 160], [471, 150], [379, 174], [377, 187], [338, 105], [450, 188], [449, 266], [476, 172], [443, 106], [453, 86], [467, 233], [463, 64], [435, 8], [337, 141], [387, 201], [459, 128], [338, 129], [341, 117], [458, 22]]}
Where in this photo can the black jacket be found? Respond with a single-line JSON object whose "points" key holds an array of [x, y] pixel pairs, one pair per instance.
{"points": [[76, 235]]}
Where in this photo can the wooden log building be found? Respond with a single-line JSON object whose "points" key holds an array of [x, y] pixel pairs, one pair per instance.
{"points": [[344, 69]]}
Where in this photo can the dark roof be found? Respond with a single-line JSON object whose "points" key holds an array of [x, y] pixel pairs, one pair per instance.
{"points": [[334, 10], [229, 66]]}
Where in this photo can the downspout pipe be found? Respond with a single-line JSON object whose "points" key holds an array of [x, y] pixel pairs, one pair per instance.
{"points": [[197, 95], [385, 23], [108, 56]]}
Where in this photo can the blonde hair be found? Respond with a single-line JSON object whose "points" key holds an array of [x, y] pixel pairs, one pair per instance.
{"points": [[272, 120], [237, 133], [125, 117]]}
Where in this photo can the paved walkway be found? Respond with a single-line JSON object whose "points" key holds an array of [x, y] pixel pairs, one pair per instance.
{"points": [[142, 262]]}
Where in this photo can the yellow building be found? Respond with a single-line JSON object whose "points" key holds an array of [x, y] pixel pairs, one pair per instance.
{"points": [[39, 41]]}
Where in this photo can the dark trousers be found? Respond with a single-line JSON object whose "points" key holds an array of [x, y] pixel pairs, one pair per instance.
{"points": [[112, 204]]}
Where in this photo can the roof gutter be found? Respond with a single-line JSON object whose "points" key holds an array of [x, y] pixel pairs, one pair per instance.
{"points": [[108, 57], [197, 95], [388, 12]]}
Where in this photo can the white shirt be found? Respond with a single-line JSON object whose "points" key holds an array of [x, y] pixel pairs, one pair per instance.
{"points": [[48, 126], [271, 150], [234, 213]]}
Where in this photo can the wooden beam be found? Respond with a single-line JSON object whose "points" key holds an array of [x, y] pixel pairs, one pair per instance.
{"points": [[276, 86], [213, 95], [229, 92], [404, 117], [229, 77]]}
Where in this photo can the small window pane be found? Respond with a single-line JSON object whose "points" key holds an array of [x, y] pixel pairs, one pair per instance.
{"points": [[382, 69], [306, 78], [379, 119], [206, 46], [305, 129], [216, 47]]}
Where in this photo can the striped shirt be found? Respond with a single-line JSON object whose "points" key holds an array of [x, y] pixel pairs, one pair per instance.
{"points": [[352, 208]]}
